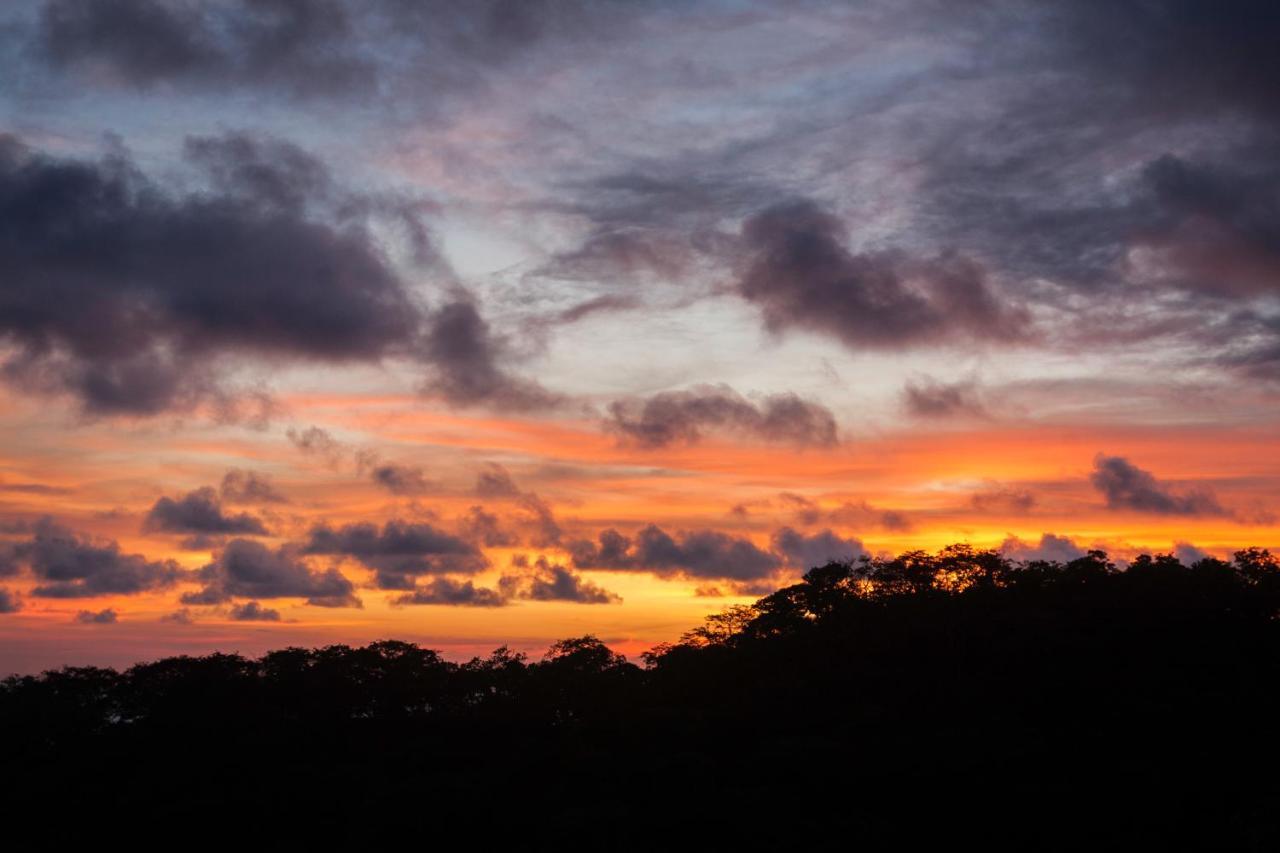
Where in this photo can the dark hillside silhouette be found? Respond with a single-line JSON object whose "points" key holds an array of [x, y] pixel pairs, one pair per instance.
{"points": [[884, 702]]}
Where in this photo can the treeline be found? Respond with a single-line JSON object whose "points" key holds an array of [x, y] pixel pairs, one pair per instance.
{"points": [[885, 699]]}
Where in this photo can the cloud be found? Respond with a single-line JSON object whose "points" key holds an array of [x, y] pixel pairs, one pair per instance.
{"points": [[98, 617], [549, 582], [330, 49], [248, 569], [71, 566], [697, 553], [464, 354], [684, 416], [252, 611], [10, 602], [453, 593], [928, 398], [485, 528], [400, 551], [804, 551], [200, 512], [399, 479], [1052, 548], [1189, 554], [1127, 486], [135, 300], [998, 498], [315, 441], [302, 48], [249, 487], [801, 275], [126, 295], [849, 514], [34, 489], [181, 616], [495, 482]]}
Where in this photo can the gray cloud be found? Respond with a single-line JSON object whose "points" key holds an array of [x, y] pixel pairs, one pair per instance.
{"points": [[464, 354], [315, 49], [550, 582], [685, 416], [252, 611], [1127, 486], [132, 299], [200, 512], [998, 498], [10, 602], [400, 551], [849, 514], [495, 482], [484, 527], [249, 487], [697, 553], [929, 398], [400, 479], [98, 617], [248, 569], [801, 275], [447, 591], [804, 551], [72, 566], [1051, 547], [315, 441]]}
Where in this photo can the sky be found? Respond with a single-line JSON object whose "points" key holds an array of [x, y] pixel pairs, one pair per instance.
{"points": [[503, 322]]}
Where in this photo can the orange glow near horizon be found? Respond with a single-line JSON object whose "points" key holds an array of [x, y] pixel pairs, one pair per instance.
{"points": [[591, 482]]}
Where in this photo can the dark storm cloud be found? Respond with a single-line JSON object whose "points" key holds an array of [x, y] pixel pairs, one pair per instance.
{"points": [[68, 565], [1127, 486], [546, 581], [252, 611], [929, 398], [9, 601], [200, 512], [249, 487], [697, 553], [453, 593], [684, 416], [399, 551], [98, 617], [801, 275], [804, 551], [248, 569]]}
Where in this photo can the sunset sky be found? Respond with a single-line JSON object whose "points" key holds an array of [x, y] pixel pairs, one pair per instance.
{"points": [[500, 322]]}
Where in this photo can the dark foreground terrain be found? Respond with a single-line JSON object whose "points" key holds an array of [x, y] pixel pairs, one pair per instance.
{"points": [[927, 699]]}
